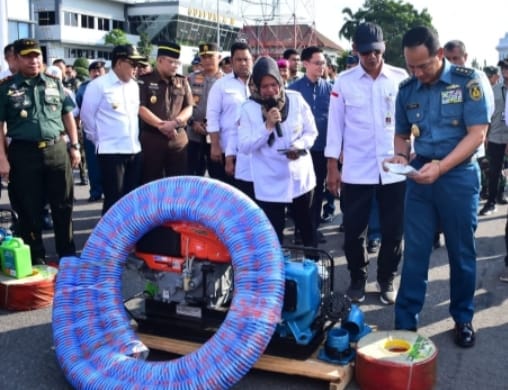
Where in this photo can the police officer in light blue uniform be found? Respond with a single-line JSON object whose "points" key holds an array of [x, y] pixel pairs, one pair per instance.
{"points": [[443, 107]]}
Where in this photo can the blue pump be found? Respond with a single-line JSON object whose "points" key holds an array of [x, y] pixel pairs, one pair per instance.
{"points": [[302, 299]]}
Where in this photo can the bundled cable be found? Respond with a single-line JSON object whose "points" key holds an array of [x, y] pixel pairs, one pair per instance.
{"points": [[95, 345]]}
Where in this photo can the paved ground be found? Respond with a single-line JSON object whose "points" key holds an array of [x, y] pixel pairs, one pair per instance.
{"points": [[28, 359]]}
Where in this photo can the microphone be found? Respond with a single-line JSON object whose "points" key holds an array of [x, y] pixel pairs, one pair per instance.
{"points": [[269, 104]]}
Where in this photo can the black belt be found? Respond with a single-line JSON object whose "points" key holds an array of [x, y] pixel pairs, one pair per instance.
{"points": [[426, 160], [42, 144]]}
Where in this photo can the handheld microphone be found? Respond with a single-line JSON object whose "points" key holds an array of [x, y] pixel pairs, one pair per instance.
{"points": [[269, 104]]}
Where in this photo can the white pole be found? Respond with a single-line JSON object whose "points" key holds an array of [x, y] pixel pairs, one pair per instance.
{"points": [[4, 36], [218, 27]]}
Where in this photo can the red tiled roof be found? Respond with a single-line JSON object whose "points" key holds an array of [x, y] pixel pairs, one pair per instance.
{"points": [[274, 39]]}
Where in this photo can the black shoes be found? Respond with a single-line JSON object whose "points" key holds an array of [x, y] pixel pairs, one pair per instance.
{"points": [[501, 200], [356, 291], [94, 198], [488, 209], [464, 335], [373, 245]]}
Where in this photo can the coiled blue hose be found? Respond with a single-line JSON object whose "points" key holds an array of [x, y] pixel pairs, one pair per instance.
{"points": [[95, 345]]}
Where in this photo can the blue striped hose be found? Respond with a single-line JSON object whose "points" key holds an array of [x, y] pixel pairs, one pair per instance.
{"points": [[95, 345]]}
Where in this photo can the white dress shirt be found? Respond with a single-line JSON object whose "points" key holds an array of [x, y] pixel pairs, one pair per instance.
{"points": [[110, 115], [5, 73], [361, 123], [275, 177], [223, 115]]}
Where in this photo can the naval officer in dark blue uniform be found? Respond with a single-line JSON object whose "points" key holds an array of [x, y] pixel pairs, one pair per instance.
{"points": [[443, 107]]}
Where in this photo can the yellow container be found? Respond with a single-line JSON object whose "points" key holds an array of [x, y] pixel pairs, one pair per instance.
{"points": [[15, 257]]}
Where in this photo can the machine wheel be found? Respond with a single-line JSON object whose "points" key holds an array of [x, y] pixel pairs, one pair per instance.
{"points": [[396, 360], [96, 347]]}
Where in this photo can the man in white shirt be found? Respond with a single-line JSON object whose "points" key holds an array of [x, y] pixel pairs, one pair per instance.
{"points": [[223, 116], [361, 125], [10, 58], [110, 116]]}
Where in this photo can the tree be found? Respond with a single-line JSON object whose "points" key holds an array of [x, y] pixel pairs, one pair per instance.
{"points": [[394, 17], [116, 37], [144, 44]]}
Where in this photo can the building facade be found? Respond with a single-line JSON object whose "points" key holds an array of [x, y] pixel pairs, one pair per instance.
{"points": [[16, 22]]}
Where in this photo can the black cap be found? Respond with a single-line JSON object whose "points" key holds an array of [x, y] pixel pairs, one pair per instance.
{"points": [[196, 60], [503, 63], [352, 59], [169, 49], [491, 70], [127, 51], [27, 46], [208, 48], [96, 65], [225, 61], [368, 37]]}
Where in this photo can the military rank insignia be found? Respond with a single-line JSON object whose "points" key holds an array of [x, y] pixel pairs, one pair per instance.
{"points": [[415, 130], [475, 90]]}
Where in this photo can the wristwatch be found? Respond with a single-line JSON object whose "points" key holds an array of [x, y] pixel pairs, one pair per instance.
{"points": [[76, 146]]}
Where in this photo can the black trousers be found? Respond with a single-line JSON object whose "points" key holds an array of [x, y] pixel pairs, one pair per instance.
{"points": [[276, 213], [158, 160], [198, 153], [37, 177], [319, 162], [356, 200], [495, 155], [121, 173]]}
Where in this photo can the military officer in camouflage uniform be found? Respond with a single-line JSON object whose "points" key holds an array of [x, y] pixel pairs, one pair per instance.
{"points": [[37, 163]]}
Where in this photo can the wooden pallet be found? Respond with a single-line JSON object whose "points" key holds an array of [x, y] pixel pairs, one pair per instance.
{"points": [[337, 376]]}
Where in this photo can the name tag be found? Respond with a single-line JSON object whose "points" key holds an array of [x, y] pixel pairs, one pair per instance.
{"points": [[453, 96]]}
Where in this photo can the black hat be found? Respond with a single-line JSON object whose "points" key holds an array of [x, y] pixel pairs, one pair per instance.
{"points": [[27, 46], [368, 37], [96, 65], [503, 63], [352, 59], [266, 66], [169, 49], [225, 61], [196, 60], [491, 70], [208, 48], [126, 51]]}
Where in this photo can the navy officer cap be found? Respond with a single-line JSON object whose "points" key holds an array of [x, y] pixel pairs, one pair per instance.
{"points": [[96, 65], [503, 63], [208, 49], [127, 51], [169, 49]]}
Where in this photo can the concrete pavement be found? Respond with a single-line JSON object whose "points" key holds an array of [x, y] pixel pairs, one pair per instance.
{"points": [[28, 360]]}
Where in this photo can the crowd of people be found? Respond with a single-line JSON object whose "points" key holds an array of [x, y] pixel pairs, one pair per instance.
{"points": [[293, 141]]}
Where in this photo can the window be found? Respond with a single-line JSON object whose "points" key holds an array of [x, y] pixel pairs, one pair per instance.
{"points": [[46, 18], [71, 52], [71, 19], [18, 30], [118, 24], [104, 54], [103, 24], [87, 21]]}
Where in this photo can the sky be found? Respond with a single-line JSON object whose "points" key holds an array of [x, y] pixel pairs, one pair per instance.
{"points": [[480, 24]]}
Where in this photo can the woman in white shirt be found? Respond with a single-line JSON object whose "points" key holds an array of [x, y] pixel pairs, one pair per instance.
{"points": [[277, 128]]}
